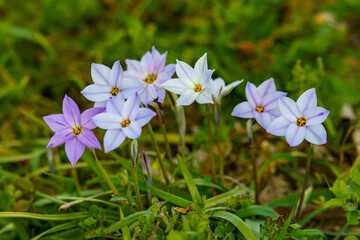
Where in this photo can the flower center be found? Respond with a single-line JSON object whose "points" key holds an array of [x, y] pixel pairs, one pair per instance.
{"points": [[150, 78], [197, 88], [125, 123], [77, 130], [259, 109], [301, 122], [114, 91]]}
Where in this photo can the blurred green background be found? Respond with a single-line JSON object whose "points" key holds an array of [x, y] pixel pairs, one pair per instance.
{"points": [[47, 47]]}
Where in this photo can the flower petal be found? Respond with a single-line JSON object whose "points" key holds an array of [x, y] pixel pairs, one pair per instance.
{"points": [[295, 135], [130, 86], [133, 65], [115, 105], [205, 78], [177, 86], [264, 119], [56, 122], [169, 69], [100, 104], [315, 116], [201, 65], [74, 149], [144, 115], [186, 72], [271, 100], [252, 95], [60, 137], [86, 117], [71, 112], [145, 97], [227, 89], [289, 109], [243, 110], [100, 73], [316, 134], [205, 96], [307, 100], [97, 92], [133, 130], [88, 138], [108, 121], [113, 138], [279, 126], [187, 97], [116, 74], [160, 62], [161, 93], [266, 87], [147, 63], [130, 105]]}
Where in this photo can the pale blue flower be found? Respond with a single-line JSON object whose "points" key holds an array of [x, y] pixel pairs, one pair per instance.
{"points": [[219, 89], [109, 83], [192, 84], [150, 72], [122, 119], [262, 103], [300, 120]]}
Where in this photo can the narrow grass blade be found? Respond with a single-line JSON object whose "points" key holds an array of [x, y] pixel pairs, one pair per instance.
{"points": [[127, 221], [222, 198], [199, 182], [49, 217], [238, 222], [56, 229], [256, 210], [170, 197]]}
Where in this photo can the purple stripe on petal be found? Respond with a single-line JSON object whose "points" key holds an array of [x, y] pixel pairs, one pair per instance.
{"points": [[71, 112], [74, 149], [315, 115], [252, 95], [279, 126], [56, 122], [113, 139], [201, 65], [115, 105], [60, 137], [133, 130], [205, 97], [316, 134], [307, 100], [289, 109], [144, 115], [100, 73], [295, 135], [243, 110], [183, 70], [116, 75], [88, 138], [131, 104], [187, 98], [266, 87], [87, 115], [264, 119]]}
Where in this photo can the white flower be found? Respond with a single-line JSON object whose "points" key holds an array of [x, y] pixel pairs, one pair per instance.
{"points": [[219, 90]]}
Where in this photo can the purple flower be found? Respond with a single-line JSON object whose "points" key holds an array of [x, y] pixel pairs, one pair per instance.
{"points": [[109, 83], [73, 129], [122, 119], [192, 84], [262, 103], [300, 120], [150, 72]]}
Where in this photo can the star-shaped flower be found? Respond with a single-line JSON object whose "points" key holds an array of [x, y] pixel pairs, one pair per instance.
{"points": [[109, 83], [192, 84], [219, 89], [300, 120], [150, 72], [262, 103], [122, 119], [73, 129]]}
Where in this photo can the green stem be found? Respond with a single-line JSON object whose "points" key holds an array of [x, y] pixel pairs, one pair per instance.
{"points": [[137, 191], [156, 146], [211, 145], [253, 159], [220, 155], [76, 179], [303, 189], [103, 172], [167, 146]]}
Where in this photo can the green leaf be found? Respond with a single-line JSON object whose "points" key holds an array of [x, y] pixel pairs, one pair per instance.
{"points": [[56, 229], [199, 182], [355, 174], [335, 202], [288, 220], [127, 221], [351, 238], [352, 217], [238, 222], [170, 197], [256, 210], [307, 233], [340, 189], [195, 195], [222, 198], [49, 217], [356, 187]]}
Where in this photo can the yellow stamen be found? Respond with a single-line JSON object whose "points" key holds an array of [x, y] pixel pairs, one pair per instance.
{"points": [[77, 130], [259, 109], [150, 78], [114, 91], [125, 123], [301, 122], [198, 88]]}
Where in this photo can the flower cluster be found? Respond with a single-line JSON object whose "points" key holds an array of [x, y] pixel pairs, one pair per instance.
{"points": [[282, 116], [117, 95]]}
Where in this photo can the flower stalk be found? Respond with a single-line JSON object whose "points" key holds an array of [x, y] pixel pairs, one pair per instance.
{"points": [[156, 146], [307, 173], [249, 127], [211, 145], [134, 157], [103, 172]]}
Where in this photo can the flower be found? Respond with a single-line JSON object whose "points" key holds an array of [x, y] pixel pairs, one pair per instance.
{"points": [[122, 119], [73, 129], [150, 73], [192, 84], [219, 90], [109, 83], [262, 103], [300, 120]]}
